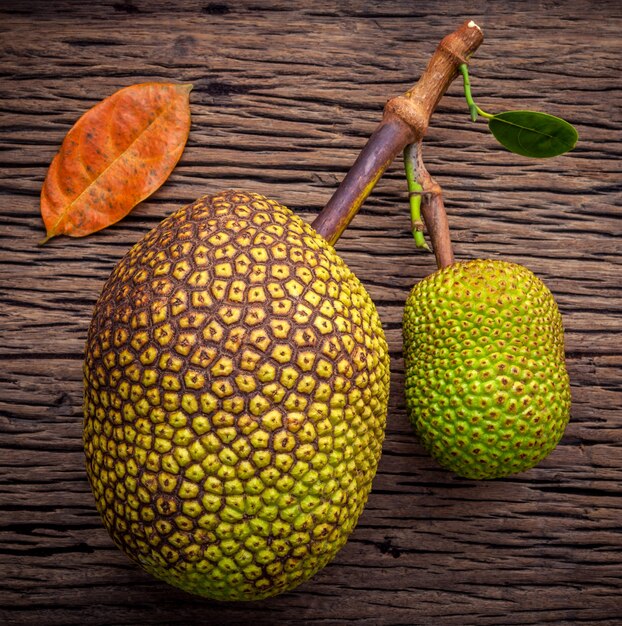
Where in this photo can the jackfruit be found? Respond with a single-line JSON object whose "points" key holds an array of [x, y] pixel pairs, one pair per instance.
{"points": [[236, 385], [487, 389]]}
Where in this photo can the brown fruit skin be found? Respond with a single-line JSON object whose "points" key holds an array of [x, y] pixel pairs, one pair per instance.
{"points": [[236, 385]]}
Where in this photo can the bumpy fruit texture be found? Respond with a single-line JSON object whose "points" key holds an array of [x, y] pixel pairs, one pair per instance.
{"points": [[236, 380], [486, 383]]}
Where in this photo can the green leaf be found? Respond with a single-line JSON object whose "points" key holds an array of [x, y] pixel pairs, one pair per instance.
{"points": [[533, 134]]}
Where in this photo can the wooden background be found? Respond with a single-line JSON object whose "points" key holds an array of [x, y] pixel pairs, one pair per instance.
{"points": [[285, 95]]}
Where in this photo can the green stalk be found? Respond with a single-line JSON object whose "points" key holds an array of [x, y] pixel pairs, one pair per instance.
{"points": [[415, 191], [473, 108]]}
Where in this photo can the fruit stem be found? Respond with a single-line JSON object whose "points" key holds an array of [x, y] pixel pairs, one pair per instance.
{"points": [[404, 122], [433, 210], [415, 191]]}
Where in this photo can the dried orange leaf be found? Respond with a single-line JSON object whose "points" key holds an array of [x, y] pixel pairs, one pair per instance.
{"points": [[116, 155]]}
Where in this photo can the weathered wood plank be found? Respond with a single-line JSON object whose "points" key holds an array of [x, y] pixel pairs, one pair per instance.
{"points": [[285, 95]]}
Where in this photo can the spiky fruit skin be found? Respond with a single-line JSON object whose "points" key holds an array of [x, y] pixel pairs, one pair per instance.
{"points": [[236, 385], [486, 384]]}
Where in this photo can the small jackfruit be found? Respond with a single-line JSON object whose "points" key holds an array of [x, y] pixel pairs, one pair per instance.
{"points": [[487, 389]]}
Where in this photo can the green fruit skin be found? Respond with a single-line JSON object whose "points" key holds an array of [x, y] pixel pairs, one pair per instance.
{"points": [[487, 389], [236, 386]]}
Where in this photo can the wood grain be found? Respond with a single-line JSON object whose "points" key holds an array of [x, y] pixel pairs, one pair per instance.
{"points": [[284, 96]]}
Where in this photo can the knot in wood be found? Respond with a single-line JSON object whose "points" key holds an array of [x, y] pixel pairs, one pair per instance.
{"points": [[410, 113], [453, 49]]}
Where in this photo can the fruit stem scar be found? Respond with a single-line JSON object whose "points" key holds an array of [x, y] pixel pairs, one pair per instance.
{"points": [[405, 121]]}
